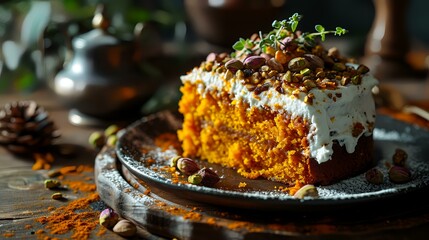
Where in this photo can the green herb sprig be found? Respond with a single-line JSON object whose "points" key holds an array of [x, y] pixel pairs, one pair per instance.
{"points": [[283, 29]]}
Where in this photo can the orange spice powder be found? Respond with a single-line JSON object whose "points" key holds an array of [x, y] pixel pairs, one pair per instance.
{"points": [[69, 218], [76, 218], [80, 186], [167, 140], [8, 234]]}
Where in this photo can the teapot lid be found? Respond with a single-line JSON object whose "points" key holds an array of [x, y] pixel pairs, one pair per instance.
{"points": [[99, 36]]}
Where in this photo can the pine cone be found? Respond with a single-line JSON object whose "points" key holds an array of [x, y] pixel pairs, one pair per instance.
{"points": [[26, 128]]}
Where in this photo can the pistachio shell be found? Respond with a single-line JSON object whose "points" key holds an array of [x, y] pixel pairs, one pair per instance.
{"points": [[275, 65], [209, 177], [399, 174], [234, 65], [315, 61], [125, 228], [108, 218], [57, 196], [307, 191], [254, 62], [187, 166], [211, 57]]}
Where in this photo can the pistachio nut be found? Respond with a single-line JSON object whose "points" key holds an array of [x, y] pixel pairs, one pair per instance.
{"points": [[374, 176], [399, 174], [96, 139], [111, 140], [399, 157], [315, 61], [211, 57], [209, 177], [57, 196], [254, 62], [307, 191], [334, 52], [266, 56], [234, 65], [286, 43], [173, 161], [339, 66], [195, 179], [187, 166], [108, 218], [275, 65], [297, 64], [125, 228], [52, 183], [111, 130]]}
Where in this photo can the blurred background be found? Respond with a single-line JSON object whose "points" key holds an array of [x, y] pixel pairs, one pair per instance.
{"points": [[35, 36]]}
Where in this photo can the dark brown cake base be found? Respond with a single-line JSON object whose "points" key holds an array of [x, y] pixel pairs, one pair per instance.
{"points": [[343, 164]]}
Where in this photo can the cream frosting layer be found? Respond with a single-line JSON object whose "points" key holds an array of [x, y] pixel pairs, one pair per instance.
{"points": [[331, 116]]}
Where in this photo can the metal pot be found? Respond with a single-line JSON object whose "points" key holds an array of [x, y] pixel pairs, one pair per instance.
{"points": [[103, 78]]}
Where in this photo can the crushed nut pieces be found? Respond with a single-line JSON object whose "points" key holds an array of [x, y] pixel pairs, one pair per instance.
{"points": [[285, 73]]}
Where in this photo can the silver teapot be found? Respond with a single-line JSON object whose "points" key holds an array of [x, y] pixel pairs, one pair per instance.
{"points": [[103, 81]]}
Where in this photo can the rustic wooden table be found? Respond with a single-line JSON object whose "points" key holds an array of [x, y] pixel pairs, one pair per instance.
{"points": [[24, 199]]}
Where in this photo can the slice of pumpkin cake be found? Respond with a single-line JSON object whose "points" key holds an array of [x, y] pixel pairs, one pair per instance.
{"points": [[280, 107]]}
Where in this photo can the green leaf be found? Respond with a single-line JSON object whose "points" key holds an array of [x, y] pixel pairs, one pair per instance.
{"points": [[294, 26], [340, 31], [248, 44], [293, 21], [319, 28], [276, 24], [238, 46]]}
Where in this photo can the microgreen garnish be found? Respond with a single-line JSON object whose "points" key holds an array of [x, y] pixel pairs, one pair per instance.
{"points": [[243, 44], [283, 33], [322, 32]]}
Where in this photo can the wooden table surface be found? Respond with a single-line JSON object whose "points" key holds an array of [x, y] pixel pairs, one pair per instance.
{"points": [[23, 197]]}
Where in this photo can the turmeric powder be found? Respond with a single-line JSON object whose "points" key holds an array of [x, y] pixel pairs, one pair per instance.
{"points": [[69, 218], [77, 217]]}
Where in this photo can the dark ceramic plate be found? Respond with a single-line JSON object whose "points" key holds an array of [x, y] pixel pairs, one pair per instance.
{"points": [[143, 150]]}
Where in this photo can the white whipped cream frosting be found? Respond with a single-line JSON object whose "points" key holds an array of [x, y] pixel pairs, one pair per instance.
{"points": [[329, 120]]}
